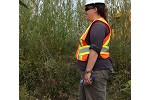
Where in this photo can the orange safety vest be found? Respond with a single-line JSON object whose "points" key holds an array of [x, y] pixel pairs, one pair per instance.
{"points": [[83, 48]]}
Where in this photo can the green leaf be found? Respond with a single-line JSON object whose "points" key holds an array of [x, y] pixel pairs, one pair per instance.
{"points": [[129, 82], [22, 4]]}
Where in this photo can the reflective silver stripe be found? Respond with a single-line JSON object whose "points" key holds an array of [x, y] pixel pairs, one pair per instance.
{"points": [[104, 50], [84, 49], [79, 57]]}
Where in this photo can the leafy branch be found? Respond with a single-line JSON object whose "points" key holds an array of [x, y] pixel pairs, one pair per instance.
{"points": [[22, 4]]}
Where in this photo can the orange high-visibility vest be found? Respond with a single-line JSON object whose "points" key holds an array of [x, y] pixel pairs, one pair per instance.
{"points": [[83, 48]]}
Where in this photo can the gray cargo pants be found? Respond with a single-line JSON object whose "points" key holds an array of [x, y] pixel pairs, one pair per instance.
{"points": [[96, 91]]}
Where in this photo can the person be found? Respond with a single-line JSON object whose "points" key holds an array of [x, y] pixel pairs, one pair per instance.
{"points": [[93, 57]]}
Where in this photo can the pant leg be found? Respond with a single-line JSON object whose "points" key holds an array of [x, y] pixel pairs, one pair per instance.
{"points": [[81, 95], [96, 91]]}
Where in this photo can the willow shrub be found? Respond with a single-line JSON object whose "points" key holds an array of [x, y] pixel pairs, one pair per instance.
{"points": [[120, 49], [48, 40]]}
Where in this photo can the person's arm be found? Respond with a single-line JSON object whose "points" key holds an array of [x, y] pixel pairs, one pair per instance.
{"points": [[91, 61]]}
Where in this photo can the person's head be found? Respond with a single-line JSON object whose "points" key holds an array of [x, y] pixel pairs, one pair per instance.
{"points": [[94, 9]]}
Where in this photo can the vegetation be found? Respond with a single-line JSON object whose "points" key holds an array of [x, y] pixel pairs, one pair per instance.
{"points": [[48, 36], [22, 4]]}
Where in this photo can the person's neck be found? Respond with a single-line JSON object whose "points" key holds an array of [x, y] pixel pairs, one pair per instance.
{"points": [[96, 17]]}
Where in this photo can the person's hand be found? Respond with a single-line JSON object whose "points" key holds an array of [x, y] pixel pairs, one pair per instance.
{"points": [[87, 80]]}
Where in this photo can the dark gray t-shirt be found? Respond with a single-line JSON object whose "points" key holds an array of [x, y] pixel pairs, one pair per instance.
{"points": [[95, 37]]}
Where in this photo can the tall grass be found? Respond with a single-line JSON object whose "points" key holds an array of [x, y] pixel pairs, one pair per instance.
{"points": [[48, 40]]}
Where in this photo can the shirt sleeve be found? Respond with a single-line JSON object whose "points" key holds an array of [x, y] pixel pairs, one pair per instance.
{"points": [[97, 33]]}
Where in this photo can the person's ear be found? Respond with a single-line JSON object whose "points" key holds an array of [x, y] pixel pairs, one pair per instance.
{"points": [[95, 10]]}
